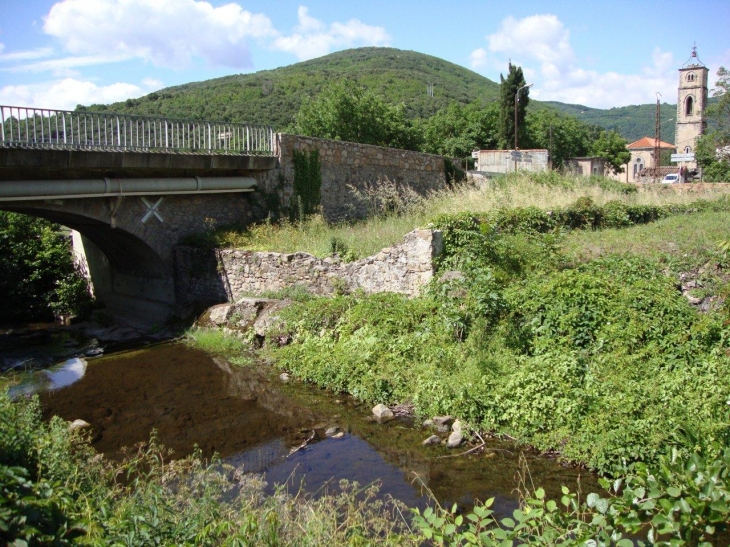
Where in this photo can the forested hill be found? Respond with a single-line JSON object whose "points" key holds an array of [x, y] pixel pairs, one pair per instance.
{"points": [[273, 97], [632, 122]]}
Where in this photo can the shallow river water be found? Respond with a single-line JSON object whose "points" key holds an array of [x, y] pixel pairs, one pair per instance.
{"points": [[251, 418]]}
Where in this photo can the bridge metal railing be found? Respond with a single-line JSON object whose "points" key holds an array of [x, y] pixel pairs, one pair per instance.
{"points": [[62, 129]]}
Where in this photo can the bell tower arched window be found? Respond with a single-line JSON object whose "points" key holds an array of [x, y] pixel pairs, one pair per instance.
{"points": [[689, 106], [691, 77]]}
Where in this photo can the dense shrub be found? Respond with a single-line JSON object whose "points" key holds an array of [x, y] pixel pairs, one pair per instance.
{"points": [[37, 274]]}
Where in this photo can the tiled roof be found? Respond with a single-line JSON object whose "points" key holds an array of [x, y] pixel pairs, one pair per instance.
{"points": [[648, 142]]}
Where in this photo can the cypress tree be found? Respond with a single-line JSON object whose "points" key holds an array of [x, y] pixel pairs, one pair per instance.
{"points": [[507, 90]]}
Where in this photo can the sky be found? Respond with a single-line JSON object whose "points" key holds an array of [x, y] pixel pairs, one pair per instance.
{"points": [[601, 54]]}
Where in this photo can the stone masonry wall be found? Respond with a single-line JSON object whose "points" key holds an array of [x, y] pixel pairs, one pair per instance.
{"points": [[345, 164], [204, 278]]}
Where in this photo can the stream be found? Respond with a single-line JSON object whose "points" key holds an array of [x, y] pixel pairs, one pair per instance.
{"points": [[250, 417]]}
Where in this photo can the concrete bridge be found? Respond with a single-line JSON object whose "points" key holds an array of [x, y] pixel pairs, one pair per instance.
{"points": [[133, 187]]}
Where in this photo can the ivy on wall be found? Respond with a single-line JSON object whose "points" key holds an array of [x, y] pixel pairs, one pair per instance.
{"points": [[307, 183]]}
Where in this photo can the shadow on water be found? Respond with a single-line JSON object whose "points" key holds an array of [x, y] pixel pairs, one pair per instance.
{"points": [[250, 418]]}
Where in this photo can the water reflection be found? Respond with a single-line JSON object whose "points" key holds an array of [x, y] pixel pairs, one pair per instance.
{"points": [[248, 417], [56, 377]]}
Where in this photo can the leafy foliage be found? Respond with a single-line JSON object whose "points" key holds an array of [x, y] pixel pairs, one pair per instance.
{"points": [[37, 274], [347, 112], [56, 491], [684, 501], [713, 148], [457, 130], [611, 147]]}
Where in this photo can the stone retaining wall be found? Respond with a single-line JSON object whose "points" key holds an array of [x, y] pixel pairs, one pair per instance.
{"points": [[346, 164], [204, 278]]}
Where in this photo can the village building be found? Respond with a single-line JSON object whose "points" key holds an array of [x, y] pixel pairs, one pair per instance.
{"points": [[641, 166], [592, 165], [690, 124]]}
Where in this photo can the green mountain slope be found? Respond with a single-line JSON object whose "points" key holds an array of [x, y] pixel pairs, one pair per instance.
{"points": [[273, 97], [632, 122]]}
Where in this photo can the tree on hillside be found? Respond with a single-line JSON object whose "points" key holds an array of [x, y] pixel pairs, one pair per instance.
{"points": [[507, 91], [347, 112], [563, 136], [612, 147], [457, 130], [713, 149]]}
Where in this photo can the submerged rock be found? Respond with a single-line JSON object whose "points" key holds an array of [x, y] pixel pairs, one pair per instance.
{"points": [[433, 439]]}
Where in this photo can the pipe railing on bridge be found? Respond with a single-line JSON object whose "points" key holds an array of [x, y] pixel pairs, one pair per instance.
{"points": [[25, 127]]}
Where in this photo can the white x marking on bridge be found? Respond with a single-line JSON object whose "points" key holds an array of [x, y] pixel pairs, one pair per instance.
{"points": [[151, 210]]}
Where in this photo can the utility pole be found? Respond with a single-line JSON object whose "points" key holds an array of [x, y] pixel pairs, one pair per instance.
{"points": [[657, 140], [517, 100]]}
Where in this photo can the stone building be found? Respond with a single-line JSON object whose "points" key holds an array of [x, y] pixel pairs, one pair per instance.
{"points": [[642, 159], [691, 105]]}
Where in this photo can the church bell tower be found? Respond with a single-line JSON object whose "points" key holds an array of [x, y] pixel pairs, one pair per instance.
{"points": [[691, 104]]}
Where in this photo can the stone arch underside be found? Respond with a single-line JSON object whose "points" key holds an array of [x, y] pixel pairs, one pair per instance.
{"points": [[129, 277]]}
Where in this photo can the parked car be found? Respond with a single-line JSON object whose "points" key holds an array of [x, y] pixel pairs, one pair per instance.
{"points": [[671, 178]]}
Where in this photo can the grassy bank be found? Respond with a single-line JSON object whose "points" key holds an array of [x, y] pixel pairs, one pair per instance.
{"points": [[565, 322], [382, 229]]}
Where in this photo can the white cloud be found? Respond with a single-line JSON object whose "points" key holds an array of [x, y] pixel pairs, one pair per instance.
{"points": [[479, 58], [63, 67], [540, 44], [311, 37], [38, 53], [541, 37], [167, 33], [66, 94], [152, 83]]}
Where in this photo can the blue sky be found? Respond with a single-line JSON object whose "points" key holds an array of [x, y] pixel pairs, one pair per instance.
{"points": [[600, 54]]}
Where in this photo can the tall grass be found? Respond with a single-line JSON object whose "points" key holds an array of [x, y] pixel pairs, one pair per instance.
{"points": [[385, 227]]}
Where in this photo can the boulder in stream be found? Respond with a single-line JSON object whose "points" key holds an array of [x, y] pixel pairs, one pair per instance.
{"points": [[383, 413]]}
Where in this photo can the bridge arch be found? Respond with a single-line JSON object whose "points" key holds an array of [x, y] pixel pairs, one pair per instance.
{"points": [[129, 277]]}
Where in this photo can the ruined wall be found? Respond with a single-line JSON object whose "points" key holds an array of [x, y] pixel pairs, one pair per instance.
{"points": [[204, 278], [347, 164]]}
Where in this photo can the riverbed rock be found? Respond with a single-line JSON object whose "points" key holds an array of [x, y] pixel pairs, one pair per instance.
{"points": [[331, 431], [433, 439], [443, 420], [338, 435], [221, 313], [268, 317], [78, 424], [284, 377], [383, 413], [455, 440]]}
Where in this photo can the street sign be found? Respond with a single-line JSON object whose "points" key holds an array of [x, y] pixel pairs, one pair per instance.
{"points": [[683, 157]]}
